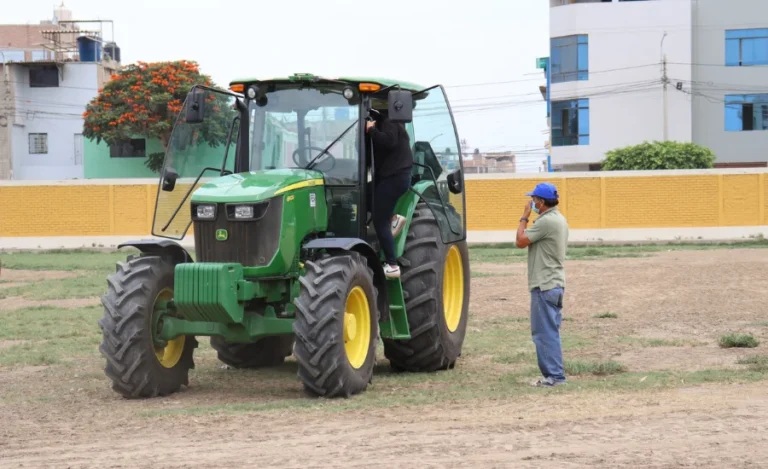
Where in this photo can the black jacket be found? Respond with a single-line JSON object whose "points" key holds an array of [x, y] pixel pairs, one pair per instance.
{"points": [[391, 148]]}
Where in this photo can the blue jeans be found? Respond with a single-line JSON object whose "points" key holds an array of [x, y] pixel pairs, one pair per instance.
{"points": [[546, 316]]}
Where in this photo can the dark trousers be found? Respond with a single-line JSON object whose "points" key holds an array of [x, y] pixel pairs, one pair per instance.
{"points": [[386, 192]]}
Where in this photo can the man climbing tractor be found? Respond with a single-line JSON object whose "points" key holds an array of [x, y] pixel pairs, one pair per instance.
{"points": [[286, 260]]}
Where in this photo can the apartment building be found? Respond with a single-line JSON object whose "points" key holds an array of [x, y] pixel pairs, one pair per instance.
{"points": [[625, 71], [48, 74]]}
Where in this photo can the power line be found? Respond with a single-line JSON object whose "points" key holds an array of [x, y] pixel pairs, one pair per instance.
{"points": [[447, 86], [34, 102], [717, 86], [462, 100], [693, 64], [466, 108], [89, 88], [599, 90], [511, 104], [591, 72]]}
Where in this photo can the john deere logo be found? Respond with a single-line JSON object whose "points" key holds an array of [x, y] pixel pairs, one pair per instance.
{"points": [[221, 235]]}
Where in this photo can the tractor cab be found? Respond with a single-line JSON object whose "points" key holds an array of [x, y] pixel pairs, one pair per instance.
{"points": [[310, 128], [273, 178]]}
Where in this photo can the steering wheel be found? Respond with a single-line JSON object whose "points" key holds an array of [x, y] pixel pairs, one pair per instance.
{"points": [[327, 153]]}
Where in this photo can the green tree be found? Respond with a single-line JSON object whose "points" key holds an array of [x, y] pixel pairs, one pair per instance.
{"points": [[145, 99], [659, 155]]}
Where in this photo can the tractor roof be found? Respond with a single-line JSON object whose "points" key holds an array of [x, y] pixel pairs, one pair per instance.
{"points": [[308, 77]]}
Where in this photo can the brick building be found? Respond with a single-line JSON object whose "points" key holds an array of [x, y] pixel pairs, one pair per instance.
{"points": [[490, 162]]}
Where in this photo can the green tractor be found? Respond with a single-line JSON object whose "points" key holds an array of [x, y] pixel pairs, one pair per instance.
{"points": [[273, 177]]}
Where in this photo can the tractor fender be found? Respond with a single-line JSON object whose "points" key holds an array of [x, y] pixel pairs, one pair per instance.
{"points": [[162, 248], [363, 248]]}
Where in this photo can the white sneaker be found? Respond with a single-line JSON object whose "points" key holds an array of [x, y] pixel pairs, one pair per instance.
{"points": [[391, 271], [398, 223]]}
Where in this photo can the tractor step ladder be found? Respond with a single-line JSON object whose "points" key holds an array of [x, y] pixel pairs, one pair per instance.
{"points": [[397, 326]]}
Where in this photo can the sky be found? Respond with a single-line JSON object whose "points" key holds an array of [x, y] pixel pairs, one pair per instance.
{"points": [[484, 52]]}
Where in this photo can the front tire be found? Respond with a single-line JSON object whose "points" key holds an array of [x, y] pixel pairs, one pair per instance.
{"points": [[138, 365], [336, 326], [266, 352], [435, 279]]}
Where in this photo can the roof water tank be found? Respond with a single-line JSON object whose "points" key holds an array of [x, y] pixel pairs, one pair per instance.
{"points": [[89, 49], [112, 50]]}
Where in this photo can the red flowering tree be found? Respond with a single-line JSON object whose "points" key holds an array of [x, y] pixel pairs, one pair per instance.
{"points": [[145, 100]]}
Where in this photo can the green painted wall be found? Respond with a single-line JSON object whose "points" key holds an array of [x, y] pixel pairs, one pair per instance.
{"points": [[190, 161], [99, 165]]}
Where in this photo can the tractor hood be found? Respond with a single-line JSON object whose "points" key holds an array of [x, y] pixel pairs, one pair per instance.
{"points": [[256, 186]]}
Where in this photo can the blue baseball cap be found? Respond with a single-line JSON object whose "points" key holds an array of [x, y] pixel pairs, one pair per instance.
{"points": [[544, 190]]}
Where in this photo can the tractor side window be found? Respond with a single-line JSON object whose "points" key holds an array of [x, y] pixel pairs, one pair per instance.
{"points": [[198, 151], [437, 154]]}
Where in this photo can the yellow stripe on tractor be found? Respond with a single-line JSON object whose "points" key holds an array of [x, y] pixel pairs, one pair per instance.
{"points": [[301, 185]]}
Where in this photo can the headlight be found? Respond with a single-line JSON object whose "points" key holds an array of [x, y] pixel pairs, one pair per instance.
{"points": [[244, 211], [206, 212]]}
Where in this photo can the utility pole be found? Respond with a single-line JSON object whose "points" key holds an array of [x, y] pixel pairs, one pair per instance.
{"points": [[665, 81], [666, 100]]}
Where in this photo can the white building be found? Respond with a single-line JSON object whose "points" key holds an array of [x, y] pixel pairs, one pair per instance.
{"points": [[607, 77], [45, 85]]}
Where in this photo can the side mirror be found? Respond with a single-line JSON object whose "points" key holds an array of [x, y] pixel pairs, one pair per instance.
{"points": [[400, 106], [455, 182], [169, 179], [195, 107]]}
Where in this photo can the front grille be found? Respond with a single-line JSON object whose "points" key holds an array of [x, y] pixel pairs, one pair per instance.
{"points": [[251, 243]]}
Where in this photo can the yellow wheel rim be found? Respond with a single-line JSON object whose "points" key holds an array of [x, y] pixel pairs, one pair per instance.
{"points": [[453, 288], [169, 355], [357, 327]]}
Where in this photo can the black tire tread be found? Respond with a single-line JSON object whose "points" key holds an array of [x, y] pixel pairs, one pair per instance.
{"points": [[428, 349], [126, 327], [319, 350]]}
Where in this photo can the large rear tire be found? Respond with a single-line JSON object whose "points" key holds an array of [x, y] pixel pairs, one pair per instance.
{"points": [[336, 326], [435, 279], [138, 365], [266, 352]]}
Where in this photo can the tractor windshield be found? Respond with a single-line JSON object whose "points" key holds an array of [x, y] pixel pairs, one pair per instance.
{"points": [[294, 126], [201, 147]]}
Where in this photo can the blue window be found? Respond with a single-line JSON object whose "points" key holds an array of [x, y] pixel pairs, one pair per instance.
{"points": [[39, 55], [570, 122], [11, 56], [570, 58], [746, 112], [745, 47]]}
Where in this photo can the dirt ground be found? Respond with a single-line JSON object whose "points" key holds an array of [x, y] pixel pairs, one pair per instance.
{"points": [[671, 308]]}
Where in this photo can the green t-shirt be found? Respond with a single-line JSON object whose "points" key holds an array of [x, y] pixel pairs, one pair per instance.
{"points": [[546, 254]]}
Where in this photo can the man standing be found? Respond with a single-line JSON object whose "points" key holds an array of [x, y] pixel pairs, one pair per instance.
{"points": [[546, 241]]}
